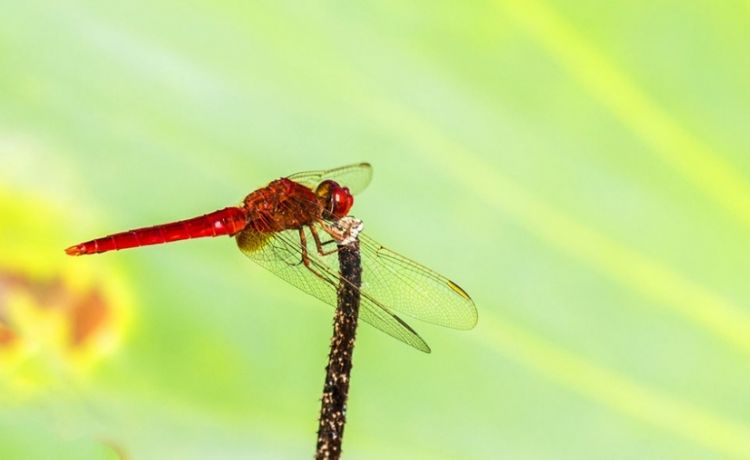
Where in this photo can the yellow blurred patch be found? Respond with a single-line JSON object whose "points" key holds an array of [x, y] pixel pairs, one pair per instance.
{"points": [[57, 318]]}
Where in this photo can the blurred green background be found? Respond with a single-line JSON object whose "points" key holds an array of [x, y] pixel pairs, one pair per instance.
{"points": [[580, 167]]}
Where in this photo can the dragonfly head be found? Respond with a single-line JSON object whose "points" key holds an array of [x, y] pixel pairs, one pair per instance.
{"points": [[335, 200]]}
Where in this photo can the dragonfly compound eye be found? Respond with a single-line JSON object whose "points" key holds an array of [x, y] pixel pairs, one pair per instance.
{"points": [[337, 200]]}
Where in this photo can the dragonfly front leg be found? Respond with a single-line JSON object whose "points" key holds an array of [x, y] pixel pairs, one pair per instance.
{"points": [[319, 245]]}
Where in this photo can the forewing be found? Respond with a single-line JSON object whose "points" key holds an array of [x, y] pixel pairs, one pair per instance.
{"points": [[281, 254], [408, 288], [357, 177]]}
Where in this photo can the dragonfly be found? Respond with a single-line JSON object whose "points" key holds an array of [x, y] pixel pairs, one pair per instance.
{"points": [[288, 226]]}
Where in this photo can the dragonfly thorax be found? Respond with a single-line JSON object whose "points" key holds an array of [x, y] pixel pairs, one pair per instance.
{"points": [[282, 205]]}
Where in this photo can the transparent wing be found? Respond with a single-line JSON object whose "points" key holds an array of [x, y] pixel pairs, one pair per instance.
{"points": [[281, 254], [357, 177], [408, 288]]}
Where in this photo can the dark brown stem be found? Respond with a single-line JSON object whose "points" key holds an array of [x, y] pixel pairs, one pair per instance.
{"points": [[336, 388]]}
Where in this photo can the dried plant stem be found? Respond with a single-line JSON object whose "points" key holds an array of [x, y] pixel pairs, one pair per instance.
{"points": [[336, 388]]}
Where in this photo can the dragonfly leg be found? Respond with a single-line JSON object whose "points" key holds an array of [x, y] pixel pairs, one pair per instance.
{"points": [[303, 246], [306, 256], [319, 245]]}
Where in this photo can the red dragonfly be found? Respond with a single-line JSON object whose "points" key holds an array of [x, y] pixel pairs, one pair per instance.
{"points": [[282, 227]]}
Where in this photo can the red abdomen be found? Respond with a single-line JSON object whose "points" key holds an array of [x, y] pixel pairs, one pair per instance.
{"points": [[227, 221]]}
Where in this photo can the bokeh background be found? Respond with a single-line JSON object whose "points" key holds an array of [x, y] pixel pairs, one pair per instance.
{"points": [[580, 167]]}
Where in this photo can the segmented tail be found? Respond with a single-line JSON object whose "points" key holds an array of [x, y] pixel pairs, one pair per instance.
{"points": [[227, 221]]}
